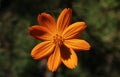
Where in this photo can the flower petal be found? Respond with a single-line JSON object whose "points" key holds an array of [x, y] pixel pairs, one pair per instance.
{"points": [[47, 20], [54, 60], [42, 50], [74, 30], [69, 57], [77, 44], [64, 19], [40, 32]]}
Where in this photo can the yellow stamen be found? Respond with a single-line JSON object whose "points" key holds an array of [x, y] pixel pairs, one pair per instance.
{"points": [[58, 40]]}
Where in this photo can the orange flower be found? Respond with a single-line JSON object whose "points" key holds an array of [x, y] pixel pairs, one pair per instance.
{"points": [[59, 40]]}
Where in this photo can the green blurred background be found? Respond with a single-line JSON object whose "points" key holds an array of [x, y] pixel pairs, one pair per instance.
{"points": [[102, 32]]}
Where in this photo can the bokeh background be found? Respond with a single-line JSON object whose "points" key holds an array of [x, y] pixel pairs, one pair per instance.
{"points": [[102, 32]]}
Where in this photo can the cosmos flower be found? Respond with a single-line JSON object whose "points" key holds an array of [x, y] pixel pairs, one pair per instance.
{"points": [[59, 40]]}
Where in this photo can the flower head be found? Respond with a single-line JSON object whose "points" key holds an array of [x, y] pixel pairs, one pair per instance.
{"points": [[59, 40]]}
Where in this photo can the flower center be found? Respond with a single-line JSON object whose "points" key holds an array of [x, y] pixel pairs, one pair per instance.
{"points": [[58, 40]]}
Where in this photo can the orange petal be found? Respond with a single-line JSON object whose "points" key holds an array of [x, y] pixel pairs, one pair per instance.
{"points": [[64, 19], [40, 32], [74, 30], [54, 60], [42, 50], [69, 57], [47, 20], [78, 44]]}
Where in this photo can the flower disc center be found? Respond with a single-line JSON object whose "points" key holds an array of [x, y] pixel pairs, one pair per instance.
{"points": [[57, 39]]}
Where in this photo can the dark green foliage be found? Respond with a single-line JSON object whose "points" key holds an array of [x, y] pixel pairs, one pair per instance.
{"points": [[102, 18]]}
